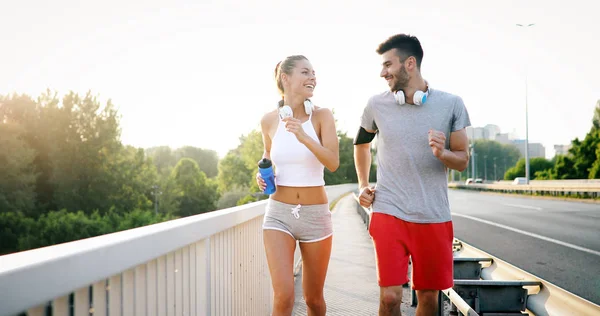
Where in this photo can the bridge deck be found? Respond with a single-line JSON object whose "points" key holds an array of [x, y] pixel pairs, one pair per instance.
{"points": [[351, 285]]}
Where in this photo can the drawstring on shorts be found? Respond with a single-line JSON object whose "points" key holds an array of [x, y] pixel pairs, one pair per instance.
{"points": [[295, 211]]}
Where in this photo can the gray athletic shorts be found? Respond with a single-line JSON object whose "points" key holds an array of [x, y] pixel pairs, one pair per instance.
{"points": [[305, 223]]}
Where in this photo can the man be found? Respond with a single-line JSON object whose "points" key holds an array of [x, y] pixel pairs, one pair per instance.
{"points": [[421, 134]]}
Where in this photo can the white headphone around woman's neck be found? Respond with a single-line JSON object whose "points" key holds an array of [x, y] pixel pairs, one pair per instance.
{"points": [[308, 106]]}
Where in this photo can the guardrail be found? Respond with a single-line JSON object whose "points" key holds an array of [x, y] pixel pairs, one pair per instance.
{"points": [[543, 298], [207, 264], [484, 285], [566, 182], [575, 190]]}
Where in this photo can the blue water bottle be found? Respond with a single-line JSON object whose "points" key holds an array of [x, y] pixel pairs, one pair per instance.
{"points": [[265, 167]]}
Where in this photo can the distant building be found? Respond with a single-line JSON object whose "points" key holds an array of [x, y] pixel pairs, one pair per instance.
{"points": [[535, 149], [475, 133], [503, 138], [490, 131], [561, 149], [493, 132]]}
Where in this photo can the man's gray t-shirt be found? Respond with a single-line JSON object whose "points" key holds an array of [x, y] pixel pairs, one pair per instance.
{"points": [[412, 184]]}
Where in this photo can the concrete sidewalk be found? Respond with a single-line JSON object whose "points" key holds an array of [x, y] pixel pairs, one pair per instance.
{"points": [[351, 285]]}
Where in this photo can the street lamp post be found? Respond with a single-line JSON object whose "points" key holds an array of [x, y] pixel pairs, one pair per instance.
{"points": [[526, 115], [473, 162], [495, 175], [485, 167]]}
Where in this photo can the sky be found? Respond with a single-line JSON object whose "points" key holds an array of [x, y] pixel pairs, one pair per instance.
{"points": [[200, 73]]}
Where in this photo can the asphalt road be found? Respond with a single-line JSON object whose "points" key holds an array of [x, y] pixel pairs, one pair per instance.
{"points": [[558, 241]]}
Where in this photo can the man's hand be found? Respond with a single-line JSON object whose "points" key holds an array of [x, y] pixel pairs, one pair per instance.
{"points": [[437, 141], [366, 197]]}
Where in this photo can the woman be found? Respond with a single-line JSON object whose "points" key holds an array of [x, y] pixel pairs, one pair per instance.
{"points": [[299, 147]]}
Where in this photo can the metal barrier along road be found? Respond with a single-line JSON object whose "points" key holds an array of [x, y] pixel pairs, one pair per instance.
{"points": [[486, 285], [512, 286], [552, 189]]}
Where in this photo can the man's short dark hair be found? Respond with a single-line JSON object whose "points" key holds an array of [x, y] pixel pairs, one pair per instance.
{"points": [[405, 45]]}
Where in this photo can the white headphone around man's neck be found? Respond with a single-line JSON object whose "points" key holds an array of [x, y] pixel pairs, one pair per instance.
{"points": [[419, 97]]}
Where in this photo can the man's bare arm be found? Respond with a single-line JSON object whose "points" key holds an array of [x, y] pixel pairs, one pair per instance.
{"points": [[457, 157], [362, 162], [362, 155]]}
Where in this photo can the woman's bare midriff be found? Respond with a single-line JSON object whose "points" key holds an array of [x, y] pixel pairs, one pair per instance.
{"points": [[300, 195]]}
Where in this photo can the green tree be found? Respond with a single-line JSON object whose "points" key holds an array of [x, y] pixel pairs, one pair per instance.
{"points": [[233, 173], [207, 160], [169, 195], [84, 147], [18, 232], [583, 155], [59, 227], [38, 121], [163, 158], [247, 199], [231, 197], [492, 159], [14, 227], [17, 171], [595, 169], [251, 151], [198, 195], [79, 160], [537, 164], [583, 159], [131, 177], [346, 172], [596, 118], [65, 154]]}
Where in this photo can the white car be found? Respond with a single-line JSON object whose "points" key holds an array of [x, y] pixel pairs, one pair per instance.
{"points": [[520, 180]]}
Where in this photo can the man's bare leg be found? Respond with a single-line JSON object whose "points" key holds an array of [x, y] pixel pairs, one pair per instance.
{"points": [[428, 302], [390, 299]]}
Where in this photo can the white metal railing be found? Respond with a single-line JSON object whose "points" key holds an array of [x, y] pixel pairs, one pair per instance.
{"points": [[208, 264]]}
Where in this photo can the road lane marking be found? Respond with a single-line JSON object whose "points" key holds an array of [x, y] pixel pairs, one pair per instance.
{"points": [[524, 206], [552, 240]]}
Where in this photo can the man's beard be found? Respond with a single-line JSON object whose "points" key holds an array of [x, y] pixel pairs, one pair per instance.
{"points": [[402, 79]]}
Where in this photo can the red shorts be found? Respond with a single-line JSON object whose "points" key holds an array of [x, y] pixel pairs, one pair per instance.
{"points": [[428, 245]]}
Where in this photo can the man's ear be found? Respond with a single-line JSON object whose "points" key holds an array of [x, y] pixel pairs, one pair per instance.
{"points": [[411, 63]]}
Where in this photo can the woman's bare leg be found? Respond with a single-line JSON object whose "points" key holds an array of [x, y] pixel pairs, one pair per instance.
{"points": [[279, 248], [315, 261]]}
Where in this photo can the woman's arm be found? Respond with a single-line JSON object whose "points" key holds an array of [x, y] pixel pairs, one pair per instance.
{"points": [[265, 126]]}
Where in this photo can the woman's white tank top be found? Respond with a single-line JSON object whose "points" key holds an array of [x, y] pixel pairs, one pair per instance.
{"points": [[295, 164]]}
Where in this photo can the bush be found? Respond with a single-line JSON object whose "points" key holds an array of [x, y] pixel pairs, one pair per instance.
{"points": [[230, 198], [19, 233]]}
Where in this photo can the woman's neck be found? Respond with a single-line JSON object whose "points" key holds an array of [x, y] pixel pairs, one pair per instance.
{"points": [[296, 102]]}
